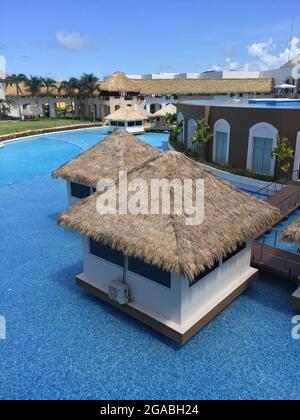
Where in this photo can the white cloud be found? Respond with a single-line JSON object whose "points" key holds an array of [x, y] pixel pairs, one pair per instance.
{"points": [[264, 55], [267, 55], [72, 41]]}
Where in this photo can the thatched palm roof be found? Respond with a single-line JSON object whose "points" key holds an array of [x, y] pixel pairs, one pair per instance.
{"points": [[119, 151], [204, 86], [231, 218], [119, 82], [128, 113], [169, 109], [25, 91], [292, 232]]}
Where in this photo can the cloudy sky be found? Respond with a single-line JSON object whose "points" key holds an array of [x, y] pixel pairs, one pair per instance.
{"points": [[66, 38]]}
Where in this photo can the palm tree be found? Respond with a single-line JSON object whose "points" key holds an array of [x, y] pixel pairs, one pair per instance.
{"points": [[201, 136], [17, 79], [88, 85], [35, 83], [71, 89], [176, 130], [49, 83]]}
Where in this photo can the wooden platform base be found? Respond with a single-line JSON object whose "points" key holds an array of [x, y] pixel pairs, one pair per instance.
{"points": [[159, 326]]}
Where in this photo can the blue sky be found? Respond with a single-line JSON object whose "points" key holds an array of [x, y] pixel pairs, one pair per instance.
{"points": [[66, 38]]}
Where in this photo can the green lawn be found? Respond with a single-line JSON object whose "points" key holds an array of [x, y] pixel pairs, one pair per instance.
{"points": [[11, 127]]}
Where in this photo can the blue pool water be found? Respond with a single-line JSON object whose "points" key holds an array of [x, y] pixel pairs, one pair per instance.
{"points": [[26, 159], [62, 343], [274, 237]]}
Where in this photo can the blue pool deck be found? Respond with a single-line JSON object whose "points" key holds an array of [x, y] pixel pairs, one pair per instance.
{"points": [[64, 344]]}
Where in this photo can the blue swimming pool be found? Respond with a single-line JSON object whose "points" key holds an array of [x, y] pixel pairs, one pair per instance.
{"points": [[26, 159], [62, 343], [273, 238]]}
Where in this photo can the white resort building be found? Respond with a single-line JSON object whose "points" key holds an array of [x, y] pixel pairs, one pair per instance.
{"points": [[173, 277], [132, 118]]}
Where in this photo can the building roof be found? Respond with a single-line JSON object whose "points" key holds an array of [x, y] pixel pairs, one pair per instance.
{"points": [[119, 151], [231, 218], [293, 62], [119, 82], [292, 232], [129, 113], [169, 109], [204, 86]]}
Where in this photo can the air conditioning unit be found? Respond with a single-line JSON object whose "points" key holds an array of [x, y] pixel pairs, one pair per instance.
{"points": [[118, 292]]}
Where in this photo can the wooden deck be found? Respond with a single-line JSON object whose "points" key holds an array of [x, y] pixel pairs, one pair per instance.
{"points": [[278, 261]]}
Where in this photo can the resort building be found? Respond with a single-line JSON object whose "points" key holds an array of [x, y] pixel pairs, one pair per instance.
{"points": [[172, 276], [245, 132], [132, 118], [285, 75], [119, 151]]}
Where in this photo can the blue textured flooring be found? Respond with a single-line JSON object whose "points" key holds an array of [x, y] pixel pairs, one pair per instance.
{"points": [[62, 343]]}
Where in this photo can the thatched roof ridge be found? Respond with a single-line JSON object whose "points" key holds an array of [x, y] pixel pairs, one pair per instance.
{"points": [[128, 113], [166, 241], [204, 86], [119, 82], [292, 232], [119, 151]]}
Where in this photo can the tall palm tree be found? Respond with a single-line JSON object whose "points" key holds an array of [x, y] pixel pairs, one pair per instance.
{"points": [[49, 83], [35, 83], [89, 85], [71, 89], [16, 80]]}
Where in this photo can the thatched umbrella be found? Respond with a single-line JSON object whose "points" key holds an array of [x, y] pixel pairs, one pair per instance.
{"points": [[231, 218], [118, 82], [292, 232], [162, 113], [120, 151], [129, 113]]}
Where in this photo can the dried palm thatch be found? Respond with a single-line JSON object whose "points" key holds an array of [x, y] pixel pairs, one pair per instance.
{"points": [[129, 113], [11, 91], [119, 82], [119, 151], [169, 109], [204, 86], [166, 241], [292, 232]]}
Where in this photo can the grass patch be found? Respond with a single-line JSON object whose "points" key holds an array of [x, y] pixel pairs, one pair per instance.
{"points": [[13, 127], [235, 171]]}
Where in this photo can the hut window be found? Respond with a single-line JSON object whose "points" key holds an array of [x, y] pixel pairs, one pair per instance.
{"points": [[106, 253], [139, 123], [233, 254], [131, 124], [150, 272], [80, 191], [113, 123], [204, 274], [121, 124]]}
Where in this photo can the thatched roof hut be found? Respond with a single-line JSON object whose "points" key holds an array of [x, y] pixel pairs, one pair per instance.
{"points": [[166, 241], [204, 86], [292, 232], [169, 109], [128, 113], [119, 82], [119, 151]]}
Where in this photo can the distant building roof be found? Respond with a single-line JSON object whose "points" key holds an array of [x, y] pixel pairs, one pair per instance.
{"points": [[129, 113], [293, 62]]}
